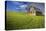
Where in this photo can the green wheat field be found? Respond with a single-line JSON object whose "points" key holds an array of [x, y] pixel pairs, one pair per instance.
{"points": [[20, 20]]}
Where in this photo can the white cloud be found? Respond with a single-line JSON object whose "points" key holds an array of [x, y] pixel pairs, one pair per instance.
{"points": [[23, 6], [17, 8]]}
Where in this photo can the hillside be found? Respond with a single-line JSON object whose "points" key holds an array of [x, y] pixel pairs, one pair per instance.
{"points": [[21, 21]]}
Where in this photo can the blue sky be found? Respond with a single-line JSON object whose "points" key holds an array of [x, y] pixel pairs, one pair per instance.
{"points": [[17, 6]]}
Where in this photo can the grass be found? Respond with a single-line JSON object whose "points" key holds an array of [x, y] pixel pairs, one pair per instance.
{"points": [[21, 21]]}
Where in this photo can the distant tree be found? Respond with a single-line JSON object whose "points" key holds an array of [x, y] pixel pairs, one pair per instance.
{"points": [[39, 13]]}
